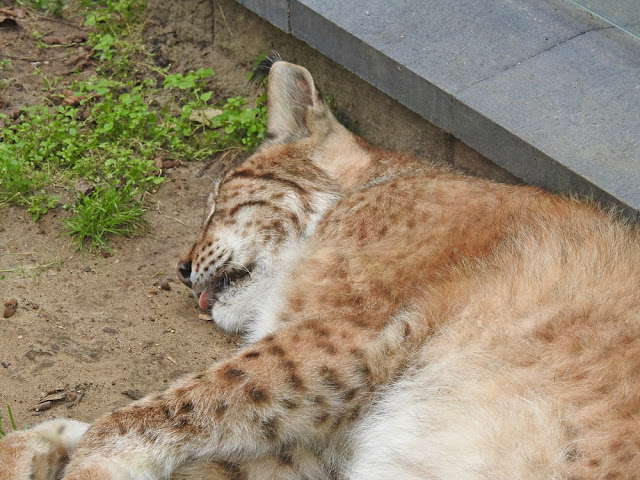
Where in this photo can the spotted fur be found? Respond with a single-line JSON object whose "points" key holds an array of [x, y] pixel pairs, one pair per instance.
{"points": [[403, 321]]}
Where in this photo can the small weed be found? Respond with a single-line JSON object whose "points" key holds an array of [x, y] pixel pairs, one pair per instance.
{"points": [[116, 211], [11, 419], [32, 270]]}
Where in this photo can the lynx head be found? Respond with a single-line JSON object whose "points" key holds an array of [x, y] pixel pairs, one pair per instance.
{"points": [[261, 213]]}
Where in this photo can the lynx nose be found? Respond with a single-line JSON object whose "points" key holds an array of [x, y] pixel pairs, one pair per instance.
{"points": [[184, 273]]}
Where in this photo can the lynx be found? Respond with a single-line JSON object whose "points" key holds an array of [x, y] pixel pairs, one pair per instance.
{"points": [[403, 321]]}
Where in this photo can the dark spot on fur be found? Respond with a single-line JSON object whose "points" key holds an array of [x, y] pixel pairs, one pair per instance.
{"points": [[612, 476], [220, 409], [252, 355], [327, 347], [168, 413], [322, 332], [407, 330], [233, 471], [250, 203], [233, 373], [296, 381], [186, 407], [357, 352], [200, 376], [321, 418], [330, 378], [151, 435], [181, 422], [355, 413], [276, 350], [289, 404], [285, 458], [348, 395], [337, 421], [122, 428], [257, 395], [270, 428], [289, 366], [295, 220], [363, 371]]}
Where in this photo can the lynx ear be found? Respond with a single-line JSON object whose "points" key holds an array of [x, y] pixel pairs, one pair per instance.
{"points": [[295, 106]]}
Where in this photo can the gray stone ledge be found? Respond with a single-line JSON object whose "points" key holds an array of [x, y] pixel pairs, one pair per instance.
{"points": [[539, 87]]}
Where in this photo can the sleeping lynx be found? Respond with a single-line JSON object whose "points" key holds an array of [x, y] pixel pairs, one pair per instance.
{"points": [[402, 321]]}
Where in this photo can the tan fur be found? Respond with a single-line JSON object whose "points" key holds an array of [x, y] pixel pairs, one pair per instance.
{"points": [[404, 320]]}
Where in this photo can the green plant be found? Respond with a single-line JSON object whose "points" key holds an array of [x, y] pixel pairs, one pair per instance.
{"points": [[11, 419], [120, 120], [114, 211], [54, 7], [241, 125]]}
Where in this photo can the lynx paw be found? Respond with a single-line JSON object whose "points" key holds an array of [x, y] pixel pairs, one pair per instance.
{"points": [[40, 452]]}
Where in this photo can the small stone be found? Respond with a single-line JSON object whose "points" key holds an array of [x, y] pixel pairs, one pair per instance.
{"points": [[170, 164], [87, 269], [133, 394], [10, 307], [5, 364], [165, 286], [157, 162], [41, 407], [153, 291], [110, 330], [70, 397]]}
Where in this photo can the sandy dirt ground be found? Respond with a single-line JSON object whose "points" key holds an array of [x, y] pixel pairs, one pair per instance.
{"points": [[91, 333]]}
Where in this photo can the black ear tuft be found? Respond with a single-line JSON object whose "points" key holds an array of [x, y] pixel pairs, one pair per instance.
{"points": [[261, 70]]}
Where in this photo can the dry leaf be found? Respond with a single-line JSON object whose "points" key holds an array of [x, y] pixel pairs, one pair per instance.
{"points": [[203, 115]]}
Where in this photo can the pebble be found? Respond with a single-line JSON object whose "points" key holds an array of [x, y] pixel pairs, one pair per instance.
{"points": [[165, 286], [41, 407], [10, 307]]}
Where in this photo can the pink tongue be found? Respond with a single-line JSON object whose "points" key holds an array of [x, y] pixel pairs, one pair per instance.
{"points": [[205, 300]]}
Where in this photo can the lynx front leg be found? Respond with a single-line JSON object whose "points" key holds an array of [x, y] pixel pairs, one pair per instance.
{"points": [[296, 390]]}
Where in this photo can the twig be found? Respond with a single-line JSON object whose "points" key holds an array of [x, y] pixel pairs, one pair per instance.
{"points": [[170, 218], [8, 12], [30, 267], [31, 59], [225, 20], [18, 57]]}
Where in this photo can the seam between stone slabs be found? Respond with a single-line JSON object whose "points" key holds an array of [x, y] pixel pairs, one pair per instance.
{"points": [[530, 57]]}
